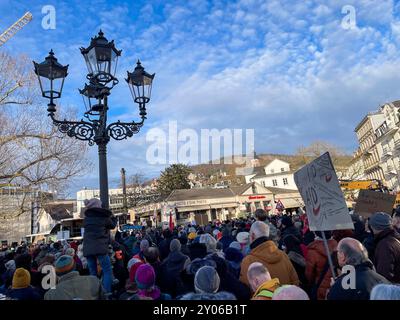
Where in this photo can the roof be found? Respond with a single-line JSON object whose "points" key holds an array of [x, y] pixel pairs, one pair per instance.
{"points": [[281, 190], [373, 113], [396, 103], [241, 189], [273, 174], [189, 194], [61, 210]]}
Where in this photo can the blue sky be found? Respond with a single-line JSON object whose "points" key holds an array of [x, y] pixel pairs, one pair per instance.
{"points": [[288, 69]]}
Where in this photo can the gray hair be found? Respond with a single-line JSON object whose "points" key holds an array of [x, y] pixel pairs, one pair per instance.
{"points": [[353, 256], [259, 229], [290, 292], [385, 292], [256, 269]]}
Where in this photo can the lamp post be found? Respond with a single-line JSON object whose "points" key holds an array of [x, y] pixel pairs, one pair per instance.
{"points": [[101, 59]]}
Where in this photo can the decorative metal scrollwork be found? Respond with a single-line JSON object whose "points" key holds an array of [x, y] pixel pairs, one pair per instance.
{"points": [[122, 130], [84, 131]]}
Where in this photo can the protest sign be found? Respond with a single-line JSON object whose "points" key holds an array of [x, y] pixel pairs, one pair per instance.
{"points": [[319, 187], [369, 202]]}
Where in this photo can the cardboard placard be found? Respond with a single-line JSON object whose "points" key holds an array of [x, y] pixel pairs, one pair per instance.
{"points": [[319, 187], [369, 202]]}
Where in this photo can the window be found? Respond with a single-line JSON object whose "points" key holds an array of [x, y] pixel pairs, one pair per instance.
{"points": [[263, 183], [282, 169], [272, 170], [285, 182], [274, 183]]}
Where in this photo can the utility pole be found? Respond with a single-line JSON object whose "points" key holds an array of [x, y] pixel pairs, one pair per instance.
{"points": [[123, 181]]}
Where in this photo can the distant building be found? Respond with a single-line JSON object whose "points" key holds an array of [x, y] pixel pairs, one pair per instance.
{"points": [[275, 174], [51, 216], [135, 196], [371, 153], [19, 208], [207, 204]]}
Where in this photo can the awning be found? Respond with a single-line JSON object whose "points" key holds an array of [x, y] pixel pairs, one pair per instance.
{"points": [[292, 202], [193, 208], [224, 205], [38, 234]]}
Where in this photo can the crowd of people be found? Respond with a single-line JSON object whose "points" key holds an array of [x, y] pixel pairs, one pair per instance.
{"points": [[262, 257]]}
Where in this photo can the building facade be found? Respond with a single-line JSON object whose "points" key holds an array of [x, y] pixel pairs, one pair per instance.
{"points": [[371, 153], [276, 174], [203, 205], [388, 141], [19, 210]]}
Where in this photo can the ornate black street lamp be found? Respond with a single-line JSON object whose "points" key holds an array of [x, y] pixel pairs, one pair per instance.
{"points": [[101, 59]]}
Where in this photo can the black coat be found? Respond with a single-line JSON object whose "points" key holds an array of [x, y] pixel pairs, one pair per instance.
{"points": [[96, 238], [228, 281], [366, 279], [292, 230], [170, 277]]}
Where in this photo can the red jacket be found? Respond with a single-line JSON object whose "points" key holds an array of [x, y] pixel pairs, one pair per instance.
{"points": [[315, 263]]}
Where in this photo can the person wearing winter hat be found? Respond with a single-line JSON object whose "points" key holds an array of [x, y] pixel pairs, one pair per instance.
{"points": [[244, 239], [235, 245], [71, 285], [171, 269], [144, 244], [21, 288], [210, 242], [145, 280], [7, 276], [96, 239], [287, 228], [192, 236], [234, 258], [206, 285], [387, 250], [206, 280]]}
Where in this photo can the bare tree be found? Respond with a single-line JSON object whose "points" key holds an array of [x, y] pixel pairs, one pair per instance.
{"points": [[306, 154], [33, 154]]}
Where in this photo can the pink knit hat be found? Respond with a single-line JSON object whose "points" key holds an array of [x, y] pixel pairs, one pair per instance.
{"points": [[145, 276]]}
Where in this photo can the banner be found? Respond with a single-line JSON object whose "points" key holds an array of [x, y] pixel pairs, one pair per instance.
{"points": [[369, 202], [319, 187]]}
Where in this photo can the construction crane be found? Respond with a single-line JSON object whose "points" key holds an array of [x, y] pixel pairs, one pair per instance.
{"points": [[18, 25]]}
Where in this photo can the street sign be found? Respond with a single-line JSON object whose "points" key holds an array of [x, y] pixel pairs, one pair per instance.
{"points": [[369, 202], [319, 187]]}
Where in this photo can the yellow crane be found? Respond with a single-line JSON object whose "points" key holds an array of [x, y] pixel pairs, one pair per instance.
{"points": [[15, 27]]}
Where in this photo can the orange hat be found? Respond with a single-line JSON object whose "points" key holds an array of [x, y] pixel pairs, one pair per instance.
{"points": [[191, 236], [21, 279]]}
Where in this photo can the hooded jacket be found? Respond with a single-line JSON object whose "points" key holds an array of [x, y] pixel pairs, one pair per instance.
{"points": [[266, 290], [387, 255], [171, 269], [276, 261], [97, 223], [315, 263]]}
